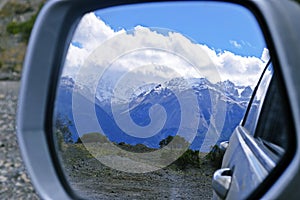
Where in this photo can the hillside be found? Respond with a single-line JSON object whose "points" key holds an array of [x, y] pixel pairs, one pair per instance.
{"points": [[16, 20]]}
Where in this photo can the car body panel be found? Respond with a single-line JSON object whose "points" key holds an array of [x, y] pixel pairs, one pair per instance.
{"points": [[246, 168]]}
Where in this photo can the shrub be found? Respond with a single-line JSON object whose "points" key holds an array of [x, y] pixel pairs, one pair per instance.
{"points": [[215, 156], [189, 158], [165, 141], [62, 125], [24, 28], [78, 141]]}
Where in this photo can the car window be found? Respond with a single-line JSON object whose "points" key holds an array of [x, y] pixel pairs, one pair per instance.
{"points": [[252, 115], [274, 125]]}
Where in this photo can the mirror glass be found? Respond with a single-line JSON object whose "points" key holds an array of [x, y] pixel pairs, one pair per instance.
{"points": [[149, 91]]}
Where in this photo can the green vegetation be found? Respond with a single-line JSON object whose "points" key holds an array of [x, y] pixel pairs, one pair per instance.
{"points": [[189, 158], [23, 28], [62, 126], [215, 156], [138, 148], [177, 142], [165, 141], [17, 18]]}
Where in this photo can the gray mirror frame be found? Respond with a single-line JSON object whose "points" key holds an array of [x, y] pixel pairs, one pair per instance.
{"points": [[45, 56]]}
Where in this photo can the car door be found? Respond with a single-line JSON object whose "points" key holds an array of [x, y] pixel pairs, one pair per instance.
{"points": [[258, 147]]}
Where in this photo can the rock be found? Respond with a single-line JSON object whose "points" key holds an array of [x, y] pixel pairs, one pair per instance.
{"points": [[247, 92], [3, 179], [24, 177]]}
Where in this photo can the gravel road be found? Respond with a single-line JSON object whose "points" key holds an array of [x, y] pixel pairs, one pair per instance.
{"points": [[14, 183]]}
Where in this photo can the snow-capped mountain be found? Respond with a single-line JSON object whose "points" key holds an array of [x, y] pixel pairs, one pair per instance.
{"points": [[219, 109]]}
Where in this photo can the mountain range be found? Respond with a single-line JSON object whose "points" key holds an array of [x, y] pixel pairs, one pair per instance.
{"points": [[219, 108]]}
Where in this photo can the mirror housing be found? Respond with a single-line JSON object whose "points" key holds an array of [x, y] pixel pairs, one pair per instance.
{"points": [[45, 57]]}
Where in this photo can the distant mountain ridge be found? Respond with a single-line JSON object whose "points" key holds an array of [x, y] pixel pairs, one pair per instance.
{"points": [[224, 97]]}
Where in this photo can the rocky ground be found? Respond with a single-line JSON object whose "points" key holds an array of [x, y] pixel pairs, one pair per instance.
{"points": [[89, 178], [14, 182]]}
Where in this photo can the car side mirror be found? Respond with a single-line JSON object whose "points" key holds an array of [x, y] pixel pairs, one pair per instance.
{"points": [[137, 93]]}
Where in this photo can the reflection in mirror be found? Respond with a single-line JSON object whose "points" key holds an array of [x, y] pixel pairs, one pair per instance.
{"points": [[147, 93]]}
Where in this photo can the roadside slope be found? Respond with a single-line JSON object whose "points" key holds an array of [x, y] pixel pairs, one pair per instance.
{"points": [[13, 45]]}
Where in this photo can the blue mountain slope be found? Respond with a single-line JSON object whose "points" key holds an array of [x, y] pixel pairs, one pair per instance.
{"points": [[209, 97]]}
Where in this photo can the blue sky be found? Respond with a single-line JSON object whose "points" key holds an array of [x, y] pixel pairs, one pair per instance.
{"points": [[221, 26]]}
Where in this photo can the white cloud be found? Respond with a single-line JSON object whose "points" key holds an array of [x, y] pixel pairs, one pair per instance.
{"points": [[238, 69], [265, 57], [235, 44], [101, 45], [90, 33]]}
